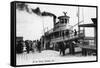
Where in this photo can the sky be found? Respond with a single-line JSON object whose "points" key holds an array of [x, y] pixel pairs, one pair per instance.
{"points": [[32, 26]]}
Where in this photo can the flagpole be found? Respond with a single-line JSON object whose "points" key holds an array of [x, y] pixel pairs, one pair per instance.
{"points": [[83, 20], [78, 20]]}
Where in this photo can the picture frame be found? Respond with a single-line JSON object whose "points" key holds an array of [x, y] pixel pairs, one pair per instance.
{"points": [[52, 33]]}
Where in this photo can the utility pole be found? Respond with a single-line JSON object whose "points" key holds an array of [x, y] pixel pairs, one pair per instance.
{"points": [[43, 33]]}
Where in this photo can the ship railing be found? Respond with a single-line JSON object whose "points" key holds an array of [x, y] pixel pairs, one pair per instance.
{"points": [[78, 34], [70, 36]]}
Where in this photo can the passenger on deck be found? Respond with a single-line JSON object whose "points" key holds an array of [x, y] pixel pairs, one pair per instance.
{"points": [[75, 32]]}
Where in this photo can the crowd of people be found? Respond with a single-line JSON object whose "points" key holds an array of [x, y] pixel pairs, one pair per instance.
{"points": [[28, 45], [63, 45]]}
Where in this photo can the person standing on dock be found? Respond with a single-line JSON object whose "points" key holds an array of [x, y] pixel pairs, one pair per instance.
{"points": [[39, 46], [62, 48]]}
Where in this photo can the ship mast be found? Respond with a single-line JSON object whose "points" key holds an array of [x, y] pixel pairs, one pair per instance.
{"points": [[78, 19]]}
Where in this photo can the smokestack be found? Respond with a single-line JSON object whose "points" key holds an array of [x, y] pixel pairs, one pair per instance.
{"points": [[54, 20], [50, 14]]}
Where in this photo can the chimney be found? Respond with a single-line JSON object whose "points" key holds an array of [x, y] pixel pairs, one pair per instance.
{"points": [[54, 20]]}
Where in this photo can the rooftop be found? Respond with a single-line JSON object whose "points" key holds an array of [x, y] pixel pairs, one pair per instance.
{"points": [[60, 17]]}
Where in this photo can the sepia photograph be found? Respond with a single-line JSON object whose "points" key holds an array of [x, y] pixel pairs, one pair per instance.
{"points": [[52, 33]]}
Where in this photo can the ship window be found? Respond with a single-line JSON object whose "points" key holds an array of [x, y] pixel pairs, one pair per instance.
{"points": [[61, 20], [65, 20], [56, 34], [63, 33], [67, 32]]}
